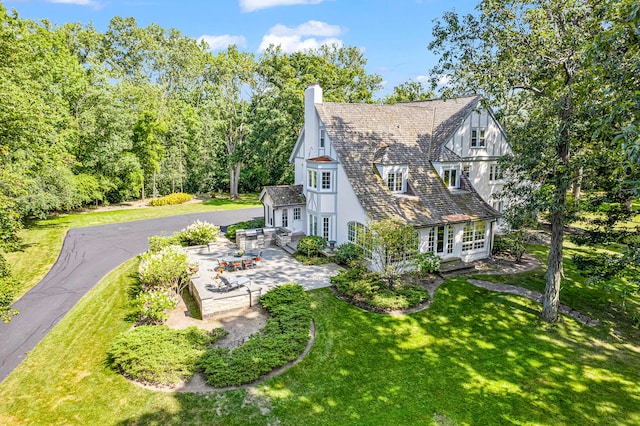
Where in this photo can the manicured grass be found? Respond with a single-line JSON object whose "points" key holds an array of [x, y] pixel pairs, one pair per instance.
{"points": [[616, 308], [42, 240], [474, 357]]}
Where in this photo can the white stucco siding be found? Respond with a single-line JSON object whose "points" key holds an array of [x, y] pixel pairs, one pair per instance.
{"points": [[348, 208], [495, 143]]}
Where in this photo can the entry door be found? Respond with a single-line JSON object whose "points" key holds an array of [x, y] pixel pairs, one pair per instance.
{"points": [[444, 239], [297, 224]]}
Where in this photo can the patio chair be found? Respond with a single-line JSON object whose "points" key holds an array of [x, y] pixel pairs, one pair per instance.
{"points": [[257, 258], [236, 264], [223, 264], [248, 263]]}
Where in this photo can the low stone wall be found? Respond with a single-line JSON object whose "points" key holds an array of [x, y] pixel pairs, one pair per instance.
{"points": [[212, 304]]}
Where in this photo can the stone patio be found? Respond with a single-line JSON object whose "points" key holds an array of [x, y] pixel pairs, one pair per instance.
{"points": [[275, 268]]}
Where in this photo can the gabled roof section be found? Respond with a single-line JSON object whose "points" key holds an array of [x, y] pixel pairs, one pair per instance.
{"points": [[449, 114], [284, 195], [412, 134], [296, 147]]}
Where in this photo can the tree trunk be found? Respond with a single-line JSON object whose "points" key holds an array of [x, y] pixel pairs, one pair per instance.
{"points": [[143, 188], [577, 186], [551, 299], [234, 176]]}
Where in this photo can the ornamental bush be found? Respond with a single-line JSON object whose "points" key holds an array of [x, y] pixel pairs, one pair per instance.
{"points": [[159, 355], [282, 340], [199, 233], [311, 245], [175, 198], [164, 270], [348, 254], [151, 306], [426, 263]]}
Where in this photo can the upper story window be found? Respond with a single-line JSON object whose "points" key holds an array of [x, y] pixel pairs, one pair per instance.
{"points": [[325, 180], [466, 170], [495, 172], [450, 178], [394, 181], [322, 138], [313, 179], [478, 137]]}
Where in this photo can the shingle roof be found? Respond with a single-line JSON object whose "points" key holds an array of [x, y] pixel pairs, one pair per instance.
{"points": [[285, 195], [364, 134]]}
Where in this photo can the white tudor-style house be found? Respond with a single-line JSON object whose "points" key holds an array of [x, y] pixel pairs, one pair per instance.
{"points": [[432, 164]]}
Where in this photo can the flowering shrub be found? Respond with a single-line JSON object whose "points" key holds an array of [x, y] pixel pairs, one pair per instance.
{"points": [[199, 233], [426, 263], [176, 198], [151, 305], [165, 269]]}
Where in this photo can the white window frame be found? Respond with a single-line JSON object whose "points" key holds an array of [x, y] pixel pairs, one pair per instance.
{"points": [[328, 185], [360, 235], [285, 218], [478, 137], [466, 170], [297, 213], [395, 182], [326, 227], [313, 179], [446, 177], [313, 224], [473, 236], [322, 137], [495, 173]]}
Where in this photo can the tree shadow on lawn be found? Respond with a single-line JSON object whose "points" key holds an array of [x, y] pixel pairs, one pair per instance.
{"points": [[474, 357]]}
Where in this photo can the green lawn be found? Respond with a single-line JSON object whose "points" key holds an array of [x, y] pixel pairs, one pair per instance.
{"points": [[42, 240], [474, 357]]}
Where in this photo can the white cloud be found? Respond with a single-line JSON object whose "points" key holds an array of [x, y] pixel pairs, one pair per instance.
{"points": [[302, 37], [253, 5], [219, 42], [422, 78], [91, 3]]}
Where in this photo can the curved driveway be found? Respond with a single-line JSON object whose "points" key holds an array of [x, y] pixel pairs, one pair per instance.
{"points": [[87, 255]]}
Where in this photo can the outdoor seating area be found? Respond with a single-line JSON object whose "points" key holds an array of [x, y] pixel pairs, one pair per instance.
{"points": [[231, 279]]}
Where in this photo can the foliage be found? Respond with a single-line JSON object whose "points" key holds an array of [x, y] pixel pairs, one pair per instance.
{"points": [[176, 198], [8, 289], [544, 92], [158, 242], [159, 355], [394, 246], [165, 269], [409, 91], [511, 243], [151, 305], [368, 288], [249, 224], [311, 245], [282, 340], [426, 263], [349, 254], [343, 369], [313, 260], [199, 233]]}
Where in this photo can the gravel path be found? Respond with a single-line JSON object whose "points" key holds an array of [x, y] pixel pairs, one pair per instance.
{"points": [[87, 255]]}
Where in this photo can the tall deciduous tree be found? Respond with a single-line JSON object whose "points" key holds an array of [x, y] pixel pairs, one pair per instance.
{"points": [[409, 91], [529, 59]]}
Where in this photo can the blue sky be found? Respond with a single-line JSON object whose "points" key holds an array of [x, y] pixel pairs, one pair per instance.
{"points": [[394, 34]]}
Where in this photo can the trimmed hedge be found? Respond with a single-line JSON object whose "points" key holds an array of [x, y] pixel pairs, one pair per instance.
{"points": [[282, 340], [175, 198], [159, 355]]}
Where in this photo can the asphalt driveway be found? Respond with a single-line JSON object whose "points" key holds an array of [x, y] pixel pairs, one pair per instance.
{"points": [[87, 255]]}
